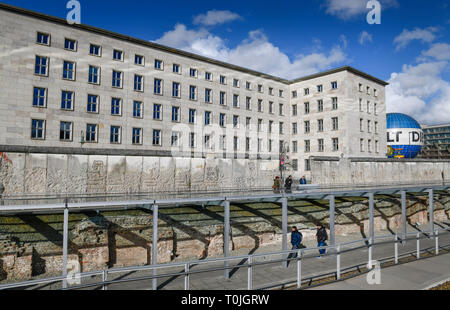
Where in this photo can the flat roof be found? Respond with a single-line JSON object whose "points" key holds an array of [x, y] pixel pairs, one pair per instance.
{"points": [[61, 21]]}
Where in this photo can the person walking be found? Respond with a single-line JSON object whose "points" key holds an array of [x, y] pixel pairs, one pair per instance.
{"points": [[296, 241], [321, 236], [276, 185], [303, 180], [288, 184]]}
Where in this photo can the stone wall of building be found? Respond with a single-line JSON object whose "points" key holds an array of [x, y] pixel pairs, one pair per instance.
{"points": [[372, 171], [49, 173]]}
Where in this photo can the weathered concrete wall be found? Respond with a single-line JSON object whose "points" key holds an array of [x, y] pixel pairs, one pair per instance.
{"points": [[31, 245], [378, 171], [49, 173]]}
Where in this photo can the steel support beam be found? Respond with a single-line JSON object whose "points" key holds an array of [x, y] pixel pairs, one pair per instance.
{"points": [[431, 211], [65, 244], [284, 227], [404, 223], [226, 237], [332, 220], [155, 245]]}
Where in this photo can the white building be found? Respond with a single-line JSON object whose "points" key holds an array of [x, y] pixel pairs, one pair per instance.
{"points": [[76, 89]]}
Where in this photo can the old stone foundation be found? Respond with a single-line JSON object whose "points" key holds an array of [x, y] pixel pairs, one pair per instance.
{"points": [[31, 246]]}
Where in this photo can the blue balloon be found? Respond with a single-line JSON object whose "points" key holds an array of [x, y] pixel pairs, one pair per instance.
{"points": [[404, 136]]}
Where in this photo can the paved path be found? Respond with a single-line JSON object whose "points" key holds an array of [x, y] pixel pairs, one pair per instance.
{"points": [[416, 275]]}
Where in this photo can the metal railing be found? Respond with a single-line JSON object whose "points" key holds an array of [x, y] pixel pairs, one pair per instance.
{"points": [[251, 262]]}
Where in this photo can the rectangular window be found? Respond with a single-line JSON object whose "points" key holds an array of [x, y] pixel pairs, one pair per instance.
{"points": [[375, 92], [259, 145], [70, 45], [208, 76], [69, 70], [175, 114], [260, 122], [91, 132], [38, 129], [192, 140], [320, 125], [307, 165], [376, 147], [176, 69], [235, 143], [294, 94], [65, 131], [307, 146], [222, 98], [281, 128], [138, 83], [92, 104], [334, 85], [95, 50], [158, 64], [281, 109], [193, 72], [235, 121], [270, 126], [306, 107], [192, 92], [67, 99], [319, 88], [295, 164], [137, 136], [369, 146], [320, 105], [294, 128], [236, 101], [192, 114], [139, 60], [137, 109], [248, 121], [376, 127], [223, 143], [223, 80], [368, 107], [294, 110], [118, 55], [116, 106], [320, 145], [281, 93], [156, 137], [270, 145], [361, 145], [260, 105], [369, 126], [307, 127], [41, 66], [222, 120], [306, 91], [260, 88], [271, 91], [335, 123], [114, 136], [334, 103], [175, 138], [117, 79], [157, 112], [207, 142], [176, 90], [294, 147], [360, 105], [360, 87], [248, 85], [208, 95], [270, 107], [248, 103], [207, 118], [235, 82], [39, 97], [157, 89], [375, 109], [43, 38], [335, 142], [247, 144], [361, 127], [94, 75]]}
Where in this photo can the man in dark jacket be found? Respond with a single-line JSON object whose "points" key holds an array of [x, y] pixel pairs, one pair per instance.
{"points": [[321, 236], [296, 240], [288, 184]]}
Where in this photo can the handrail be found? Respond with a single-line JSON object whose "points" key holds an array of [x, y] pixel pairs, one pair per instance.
{"points": [[422, 235]]}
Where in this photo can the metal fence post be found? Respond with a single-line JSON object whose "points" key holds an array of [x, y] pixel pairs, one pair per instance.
{"points": [[249, 274], [155, 246], [431, 211], [418, 245], [65, 243], [226, 238], [299, 269], [436, 236], [396, 248], [186, 277], [403, 217], [338, 263], [370, 251], [284, 211], [105, 277]]}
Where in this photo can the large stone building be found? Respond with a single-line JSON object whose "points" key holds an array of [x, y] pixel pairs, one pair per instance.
{"points": [[76, 89], [436, 142]]}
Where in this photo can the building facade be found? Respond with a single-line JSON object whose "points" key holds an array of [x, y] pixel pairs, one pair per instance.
{"points": [[76, 89], [436, 142]]}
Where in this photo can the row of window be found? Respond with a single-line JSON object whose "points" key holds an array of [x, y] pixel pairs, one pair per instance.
{"points": [[306, 92], [369, 125], [320, 106], [362, 143], [118, 55], [369, 107]]}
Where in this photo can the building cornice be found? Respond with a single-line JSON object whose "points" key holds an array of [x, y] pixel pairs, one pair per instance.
{"points": [[99, 31]]}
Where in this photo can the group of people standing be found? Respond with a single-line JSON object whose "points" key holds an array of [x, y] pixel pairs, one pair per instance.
{"points": [[287, 184], [321, 236]]}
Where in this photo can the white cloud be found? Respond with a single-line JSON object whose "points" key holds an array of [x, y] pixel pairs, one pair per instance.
{"points": [[439, 51], [255, 52], [426, 35], [420, 92], [215, 17], [365, 37], [347, 9]]}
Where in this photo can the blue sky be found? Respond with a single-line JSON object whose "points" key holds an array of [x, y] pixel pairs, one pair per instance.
{"points": [[410, 48]]}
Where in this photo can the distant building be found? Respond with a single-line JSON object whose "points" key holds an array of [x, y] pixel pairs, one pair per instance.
{"points": [[436, 142]]}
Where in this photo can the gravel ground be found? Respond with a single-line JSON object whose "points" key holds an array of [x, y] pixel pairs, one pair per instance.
{"points": [[442, 287]]}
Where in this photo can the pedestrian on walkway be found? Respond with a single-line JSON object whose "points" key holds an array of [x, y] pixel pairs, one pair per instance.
{"points": [[288, 184], [296, 240], [276, 185], [303, 180], [321, 236]]}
